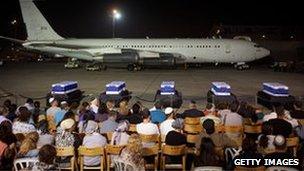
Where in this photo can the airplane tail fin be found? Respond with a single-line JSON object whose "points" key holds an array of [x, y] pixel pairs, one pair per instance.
{"points": [[37, 26]]}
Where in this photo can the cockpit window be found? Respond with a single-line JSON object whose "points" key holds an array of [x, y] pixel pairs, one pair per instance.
{"points": [[257, 46]]}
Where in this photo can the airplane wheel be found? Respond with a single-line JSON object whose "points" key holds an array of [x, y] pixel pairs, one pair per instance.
{"points": [[104, 67]]}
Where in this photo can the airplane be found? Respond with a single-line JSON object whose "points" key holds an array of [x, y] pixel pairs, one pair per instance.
{"points": [[134, 53]]}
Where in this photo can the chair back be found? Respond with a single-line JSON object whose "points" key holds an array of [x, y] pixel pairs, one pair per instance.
{"points": [[193, 129], [150, 151], [193, 138], [174, 150], [192, 121], [208, 168], [22, 163], [132, 128], [233, 129], [109, 136], [123, 165], [149, 138], [280, 168], [65, 151], [301, 121], [292, 142], [91, 152], [113, 149], [253, 129]]}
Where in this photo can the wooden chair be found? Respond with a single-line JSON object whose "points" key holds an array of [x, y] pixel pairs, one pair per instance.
{"points": [[168, 150], [22, 163], [253, 129], [193, 129], [112, 150], [193, 138], [132, 128], [151, 151], [235, 129], [240, 168], [208, 168], [193, 121], [91, 152], [301, 121], [109, 136], [293, 143], [67, 152]]}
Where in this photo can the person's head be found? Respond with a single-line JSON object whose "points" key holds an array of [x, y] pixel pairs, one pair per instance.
{"points": [[91, 127], [136, 108], [280, 111], [222, 106], [85, 106], [267, 128], [192, 104], [53, 102], [234, 106], [29, 101], [123, 126], [210, 108], [24, 114], [112, 115], [12, 108], [3, 110], [68, 125], [43, 126], [209, 127], [280, 143], [64, 105], [157, 105], [29, 143], [95, 102], [47, 154], [146, 115], [102, 109], [169, 112], [297, 105], [37, 104], [7, 103], [69, 114], [178, 124], [5, 129], [110, 104], [134, 144]]}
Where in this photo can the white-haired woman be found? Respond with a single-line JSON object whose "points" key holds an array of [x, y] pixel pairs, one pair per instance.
{"points": [[120, 136]]}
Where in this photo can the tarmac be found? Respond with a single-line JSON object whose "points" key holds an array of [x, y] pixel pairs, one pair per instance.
{"points": [[35, 80]]}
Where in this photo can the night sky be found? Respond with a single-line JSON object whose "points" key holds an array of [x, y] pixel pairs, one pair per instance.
{"points": [[153, 18]]}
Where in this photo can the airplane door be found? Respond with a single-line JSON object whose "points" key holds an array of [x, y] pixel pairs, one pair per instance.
{"points": [[227, 48]]}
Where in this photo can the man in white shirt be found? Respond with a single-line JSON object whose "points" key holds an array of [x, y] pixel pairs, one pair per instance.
{"points": [[232, 118], [147, 127], [210, 114], [94, 105], [166, 126]]}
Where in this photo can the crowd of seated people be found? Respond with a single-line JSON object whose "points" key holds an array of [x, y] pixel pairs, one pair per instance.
{"points": [[28, 131]]}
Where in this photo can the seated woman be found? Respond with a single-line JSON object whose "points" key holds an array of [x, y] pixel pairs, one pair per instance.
{"points": [[91, 140], [46, 157], [131, 154], [7, 146], [22, 124], [28, 146], [176, 136], [44, 136], [120, 136], [249, 151], [207, 155], [88, 116]]}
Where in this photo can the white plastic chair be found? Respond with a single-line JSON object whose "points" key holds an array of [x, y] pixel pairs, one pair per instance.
{"points": [[280, 168], [208, 168], [23, 163], [120, 165], [231, 153]]}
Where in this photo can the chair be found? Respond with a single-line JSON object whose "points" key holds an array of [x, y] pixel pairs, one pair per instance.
{"points": [[193, 129], [208, 168], [253, 129], [109, 136], [120, 165], [240, 168], [193, 138], [301, 121], [112, 150], [235, 129], [168, 150], [293, 143], [132, 128], [22, 163], [91, 152], [67, 152], [193, 121], [151, 151], [280, 168]]}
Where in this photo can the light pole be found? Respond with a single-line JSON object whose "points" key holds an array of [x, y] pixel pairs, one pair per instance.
{"points": [[115, 15]]}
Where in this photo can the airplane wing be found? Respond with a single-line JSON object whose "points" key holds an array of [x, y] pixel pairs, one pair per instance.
{"points": [[12, 40]]}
